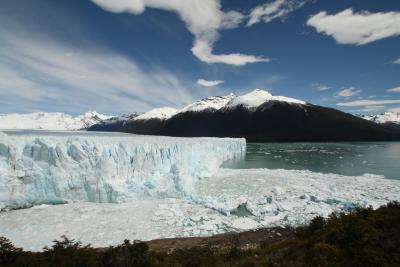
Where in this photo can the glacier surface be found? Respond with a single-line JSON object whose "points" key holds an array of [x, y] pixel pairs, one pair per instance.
{"points": [[50, 167]]}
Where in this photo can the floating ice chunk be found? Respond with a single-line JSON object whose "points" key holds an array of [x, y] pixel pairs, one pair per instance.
{"points": [[278, 190], [291, 197], [244, 224]]}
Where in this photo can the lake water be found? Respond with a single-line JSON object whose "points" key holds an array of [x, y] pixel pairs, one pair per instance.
{"points": [[382, 158]]}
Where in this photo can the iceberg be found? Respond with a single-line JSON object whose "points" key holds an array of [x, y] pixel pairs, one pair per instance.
{"points": [[62, 167]]}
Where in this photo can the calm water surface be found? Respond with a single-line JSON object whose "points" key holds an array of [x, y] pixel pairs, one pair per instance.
{"points": [[356, 158]]}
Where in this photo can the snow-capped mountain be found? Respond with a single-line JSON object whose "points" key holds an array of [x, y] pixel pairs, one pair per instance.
{"points": [[258, 97], [209, 103], [384, 118], [250, 101], [114, 123], [50, 121], [257, 116], [158, 113]]}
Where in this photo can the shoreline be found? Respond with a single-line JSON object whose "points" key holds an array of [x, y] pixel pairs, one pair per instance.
{"points": [[241, 240]]}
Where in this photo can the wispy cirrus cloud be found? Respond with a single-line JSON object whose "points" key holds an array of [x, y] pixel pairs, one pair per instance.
{"points": [[396, 61], [204, 19], [371, 108], [394, 90], [359, 28], [349, 92], [321, 87], [365, 102], [42, 74], [207, 83], [273, 10]]}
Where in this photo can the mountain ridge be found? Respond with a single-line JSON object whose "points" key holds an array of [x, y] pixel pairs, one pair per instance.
{"points": [[390, 119], [260, 117]]}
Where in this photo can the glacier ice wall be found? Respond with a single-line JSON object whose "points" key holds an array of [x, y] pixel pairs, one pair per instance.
{"points": [[58, 168]]}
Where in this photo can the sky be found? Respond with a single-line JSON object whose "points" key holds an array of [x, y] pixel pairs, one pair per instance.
{"points": [[125, 56]]}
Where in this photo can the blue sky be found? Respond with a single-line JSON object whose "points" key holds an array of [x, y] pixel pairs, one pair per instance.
{"points": [[132, 55]]}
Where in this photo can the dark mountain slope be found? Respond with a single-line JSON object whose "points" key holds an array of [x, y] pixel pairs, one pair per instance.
{"points": [[113, 124], [272, 121], [259, 117]]}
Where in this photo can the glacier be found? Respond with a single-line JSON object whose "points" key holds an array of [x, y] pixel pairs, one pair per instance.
{"points": [[61, 167]]}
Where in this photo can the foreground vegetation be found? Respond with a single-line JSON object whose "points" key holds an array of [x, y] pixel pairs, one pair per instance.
{"points": [[364, 237]]}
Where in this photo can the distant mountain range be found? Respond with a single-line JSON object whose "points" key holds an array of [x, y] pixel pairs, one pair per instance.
{"points": [[50, 121], [258, 116], [390, 119], [113, 124]]}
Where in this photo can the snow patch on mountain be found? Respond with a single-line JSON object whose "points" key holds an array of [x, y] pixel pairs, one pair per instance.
{"points": [[251, 101], [209, 103], [50, 121], [258, 97], [158, 113], [386, 117], [122, 119]]}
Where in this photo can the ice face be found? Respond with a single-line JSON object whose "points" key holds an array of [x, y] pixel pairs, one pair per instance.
{"points": [[58, 168]]}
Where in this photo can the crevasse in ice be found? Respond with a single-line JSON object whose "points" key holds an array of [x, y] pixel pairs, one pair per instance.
{"points": [[57, 168]]}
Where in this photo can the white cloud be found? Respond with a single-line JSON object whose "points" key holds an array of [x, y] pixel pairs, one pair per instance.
{"points": [[207, 83], [371, 108], [45, 75], [321, 87], [364, 102], [202, 49], [348, 27], [394, 90], [273, 10], [349, 92], [203, 19], [397, 61]]}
